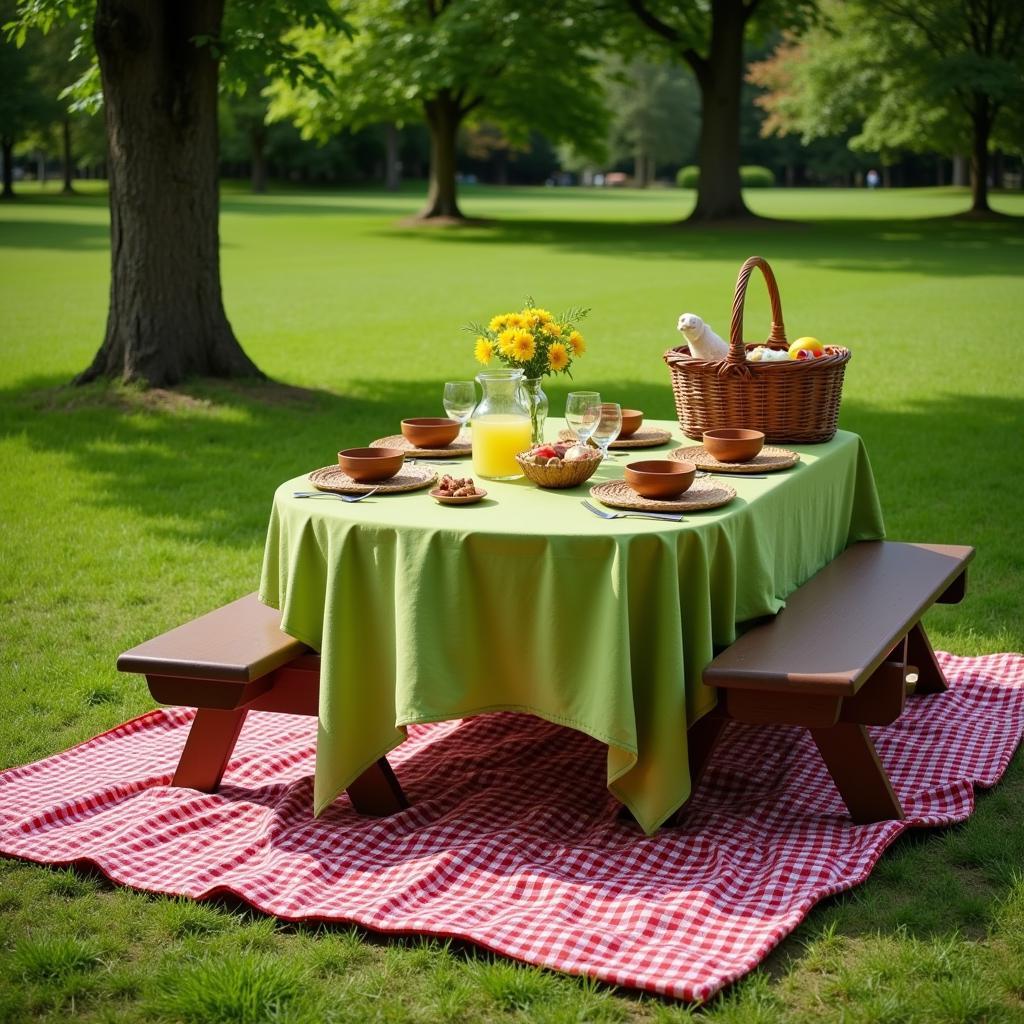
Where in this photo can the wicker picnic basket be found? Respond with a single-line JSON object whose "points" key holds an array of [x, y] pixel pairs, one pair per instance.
{"points": [[795, 401]]}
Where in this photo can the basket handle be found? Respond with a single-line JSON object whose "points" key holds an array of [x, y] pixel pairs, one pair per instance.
{"points": [[737, 350]]}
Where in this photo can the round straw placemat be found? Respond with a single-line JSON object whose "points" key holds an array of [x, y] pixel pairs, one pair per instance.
{"points": [[768, 460], [455, 450], [408, 478], [702, 494], [650, 438]]}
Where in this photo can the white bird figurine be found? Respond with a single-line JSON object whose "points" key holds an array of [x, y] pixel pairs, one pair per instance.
{"points": [[703, 342]]}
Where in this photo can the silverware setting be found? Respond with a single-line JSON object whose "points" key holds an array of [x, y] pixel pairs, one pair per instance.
{"points": [[671, 517], [351, 498]]}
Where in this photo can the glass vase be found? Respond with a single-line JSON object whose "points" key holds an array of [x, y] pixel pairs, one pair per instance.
{"points": [[537, 403]]}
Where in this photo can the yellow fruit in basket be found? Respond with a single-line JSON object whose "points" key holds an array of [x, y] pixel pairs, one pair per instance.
{"points": [[804, 348]]}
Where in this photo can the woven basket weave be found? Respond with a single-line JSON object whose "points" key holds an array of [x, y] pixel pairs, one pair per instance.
{"points": [[795, 401], [560, 474]]}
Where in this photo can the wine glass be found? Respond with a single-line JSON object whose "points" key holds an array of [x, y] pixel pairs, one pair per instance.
{"points": [[580, 413], [608, 416], [460, 400]]}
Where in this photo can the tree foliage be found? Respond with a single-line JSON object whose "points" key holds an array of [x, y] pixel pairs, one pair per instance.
{"points": [[924, 76], [521, 65]]}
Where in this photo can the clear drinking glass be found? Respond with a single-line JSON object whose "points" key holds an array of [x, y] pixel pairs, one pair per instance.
{"points": [[581, 413], [609, 422], [460, 401]]}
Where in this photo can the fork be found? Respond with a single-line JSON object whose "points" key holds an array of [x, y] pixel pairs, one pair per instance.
{"points": [[671, 517], [331, 494], [743, 476]]}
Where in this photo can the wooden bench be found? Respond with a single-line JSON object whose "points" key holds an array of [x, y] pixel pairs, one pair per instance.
{"points": [[230, 662], [840, 656]]}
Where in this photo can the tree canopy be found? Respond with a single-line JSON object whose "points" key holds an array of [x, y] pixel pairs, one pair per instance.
{"points": [[519, 64]]}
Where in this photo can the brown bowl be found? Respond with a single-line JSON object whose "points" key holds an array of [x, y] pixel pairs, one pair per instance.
{"points": [[369, 464], [660, 478], [430, 431], [631, 420], [733, 444]]}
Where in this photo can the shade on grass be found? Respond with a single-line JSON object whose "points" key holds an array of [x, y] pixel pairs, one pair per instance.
{"points": [[125, 513]]}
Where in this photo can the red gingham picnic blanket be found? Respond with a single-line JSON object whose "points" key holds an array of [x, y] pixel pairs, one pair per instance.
{"points": [[512, 841]]}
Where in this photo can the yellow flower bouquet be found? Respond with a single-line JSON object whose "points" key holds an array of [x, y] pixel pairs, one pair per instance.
{"points": [[536, 342], [531, 340]]}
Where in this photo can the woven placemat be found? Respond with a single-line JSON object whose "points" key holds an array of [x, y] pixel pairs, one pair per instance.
{"points": [[768, 460], [650, 438], [702, 494], [457, 449], [408, 478]]}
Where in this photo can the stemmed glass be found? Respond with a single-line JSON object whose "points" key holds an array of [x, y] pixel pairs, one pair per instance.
{"points": [[608, 416], [580, 413], [460, 401]]}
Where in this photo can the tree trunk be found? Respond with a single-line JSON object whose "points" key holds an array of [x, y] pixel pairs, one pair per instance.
{"points": [[7, 145], [640, 169], [719, 193], [959, 170], [981, 125], [166, 319], [66, 158], [258, 149], [392, 165], [443, 119]]}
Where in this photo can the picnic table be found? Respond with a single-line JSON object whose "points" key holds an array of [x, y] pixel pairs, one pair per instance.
{"points": [[527, 602]]}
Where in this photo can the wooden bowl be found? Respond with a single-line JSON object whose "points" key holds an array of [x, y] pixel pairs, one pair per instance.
{"points": [[733, 444], [466, 499], [430, 431], [631, 420], [367, 465], [660, 478], [561, 474]]}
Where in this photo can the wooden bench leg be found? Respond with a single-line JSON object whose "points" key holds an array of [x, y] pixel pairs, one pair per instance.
{"points": [[853, 763], [701, 739], [930, 678], [208, 748], [377, 792]]}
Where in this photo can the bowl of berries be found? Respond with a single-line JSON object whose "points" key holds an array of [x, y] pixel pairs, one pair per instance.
{"points": [[457, 491], [559, 465]]}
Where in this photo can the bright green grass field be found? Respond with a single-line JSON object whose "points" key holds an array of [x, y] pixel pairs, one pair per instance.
{"points": [[122, 514]]}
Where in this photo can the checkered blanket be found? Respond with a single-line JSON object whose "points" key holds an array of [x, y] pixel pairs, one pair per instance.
{"points": [[512, 841]]}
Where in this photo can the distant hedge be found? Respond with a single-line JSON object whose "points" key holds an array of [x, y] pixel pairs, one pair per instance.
{"points": [[750, 177]]}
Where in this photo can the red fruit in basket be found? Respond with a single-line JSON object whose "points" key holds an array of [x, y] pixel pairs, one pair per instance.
{"points": [[803, 354], [546, 451]]}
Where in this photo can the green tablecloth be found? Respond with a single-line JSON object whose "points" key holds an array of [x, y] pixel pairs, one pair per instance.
{"points": [[528, 602]]}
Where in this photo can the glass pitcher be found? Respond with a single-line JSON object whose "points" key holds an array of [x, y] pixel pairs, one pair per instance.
{"points": [[501, 425]]}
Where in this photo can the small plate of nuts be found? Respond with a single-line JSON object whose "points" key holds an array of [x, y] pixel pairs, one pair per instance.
{"points": [[457, 491]]}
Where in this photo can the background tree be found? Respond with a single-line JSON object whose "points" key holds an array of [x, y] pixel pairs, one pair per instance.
{"points": [[519, 64], [655, 115], [710, 39], [159, 64], [24, 105], [929, 76]]}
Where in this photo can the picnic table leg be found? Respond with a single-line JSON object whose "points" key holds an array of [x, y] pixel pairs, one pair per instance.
{"points": [[930, 678], [853, 763], [377, 792], [208, 748]]}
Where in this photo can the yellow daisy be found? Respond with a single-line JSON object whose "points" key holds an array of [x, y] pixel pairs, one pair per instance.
{"points": [[579, 346], [484, 350], [506, 340], [523, 346], [516, 320], [558, 357], [553, 329], [500, 322]]}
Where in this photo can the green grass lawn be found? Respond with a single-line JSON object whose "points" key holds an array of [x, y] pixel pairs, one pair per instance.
{"points": [[125, 513]]}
